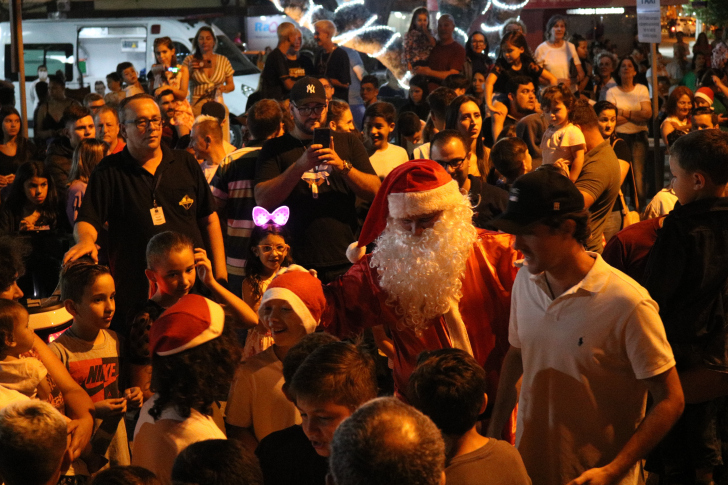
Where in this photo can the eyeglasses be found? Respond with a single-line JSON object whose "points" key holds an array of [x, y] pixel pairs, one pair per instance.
{"points": [[306, 110], [687, 104], [452, 164], [267, 249], [143, 123]]}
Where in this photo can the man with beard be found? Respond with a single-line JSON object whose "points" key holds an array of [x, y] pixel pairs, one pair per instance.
{"points": [[433, 280], [521, 102], [318, 183], [282, 67]]}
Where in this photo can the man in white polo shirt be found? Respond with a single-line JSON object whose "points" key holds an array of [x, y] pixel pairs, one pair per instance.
{"points": [[589, 343]]}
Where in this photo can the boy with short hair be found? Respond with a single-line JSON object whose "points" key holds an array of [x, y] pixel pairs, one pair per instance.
{"points": [[369, 89], [33, 449], [378, 125], [127, 72], [457, 82], [449, 387], [90, 352], [703, 119], [510, 156], [687, 276]]}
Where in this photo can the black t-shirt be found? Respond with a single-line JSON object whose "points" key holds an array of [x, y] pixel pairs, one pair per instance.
{"points": [[334, 66], [278, 68], [505, 72], [489, 201], [321, 228], [422, 110], [287, 457], [120, 192]]}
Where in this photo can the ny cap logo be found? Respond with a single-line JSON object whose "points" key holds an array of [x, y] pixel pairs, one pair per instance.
{"points": [[311, 89]]}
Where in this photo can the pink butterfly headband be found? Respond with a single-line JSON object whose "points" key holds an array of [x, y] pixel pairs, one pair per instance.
{"points": [[262, 217]]}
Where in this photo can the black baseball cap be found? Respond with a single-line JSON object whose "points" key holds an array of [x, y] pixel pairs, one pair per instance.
{"points": [[535, 196], [308, 90]]}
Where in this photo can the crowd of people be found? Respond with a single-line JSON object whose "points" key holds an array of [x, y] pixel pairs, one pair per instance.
{"points": [[443, 286]]}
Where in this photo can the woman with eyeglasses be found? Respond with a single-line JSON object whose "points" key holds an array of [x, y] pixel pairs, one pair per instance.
{"points": [[476, 56], [679, 106]]}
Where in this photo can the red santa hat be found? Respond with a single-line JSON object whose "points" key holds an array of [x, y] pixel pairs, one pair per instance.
{"points": [[705, 93], [413, 188], [303, 292], [190, 322]]}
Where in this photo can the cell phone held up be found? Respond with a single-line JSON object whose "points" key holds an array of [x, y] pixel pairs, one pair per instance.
{"points": [[322, 136]]}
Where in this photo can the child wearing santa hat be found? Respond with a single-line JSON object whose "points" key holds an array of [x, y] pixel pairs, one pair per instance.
{"points": [[291, 308], [193, 360]]}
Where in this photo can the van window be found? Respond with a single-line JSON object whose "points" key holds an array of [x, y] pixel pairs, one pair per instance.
{"points": [[241, 64], [54, 56]]}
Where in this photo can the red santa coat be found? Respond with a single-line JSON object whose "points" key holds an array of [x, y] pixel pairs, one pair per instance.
{"points": [[355, 301]]}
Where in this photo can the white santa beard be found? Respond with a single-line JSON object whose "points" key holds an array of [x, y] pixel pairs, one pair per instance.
{"points": [[422, 274]]}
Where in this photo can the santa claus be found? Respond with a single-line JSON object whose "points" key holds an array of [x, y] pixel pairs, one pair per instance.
{"points": [[433, 279]]}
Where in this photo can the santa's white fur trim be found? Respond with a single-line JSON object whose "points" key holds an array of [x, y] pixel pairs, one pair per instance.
{"points": [[407, 204], [354, 253]]}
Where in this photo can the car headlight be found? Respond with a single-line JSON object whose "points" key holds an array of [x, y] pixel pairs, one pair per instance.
{"points": [[247, 90]]}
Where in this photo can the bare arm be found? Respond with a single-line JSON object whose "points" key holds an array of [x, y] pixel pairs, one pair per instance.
{"points": [[668, 405], [359, 71], [441, 75], [288, 83], [548, 78], [141, 377], [489, 83], [577, 162], [212, 235], [228, 86], [588, 199], [507, 397], [85, 235], [644, 114]]}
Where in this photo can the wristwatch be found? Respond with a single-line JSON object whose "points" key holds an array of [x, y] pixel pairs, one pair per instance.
{"points": [[347, 167]]}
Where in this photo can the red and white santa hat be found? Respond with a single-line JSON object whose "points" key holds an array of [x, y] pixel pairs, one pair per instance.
{"points": [[413, 188], [190, 322], [303, 292], [705, 93]]}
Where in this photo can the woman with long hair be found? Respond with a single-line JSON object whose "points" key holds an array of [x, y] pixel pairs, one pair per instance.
{"points": [[476, 55], [169, 75], [697, 68], [702, 46], [463, 114], [418, 41], [86, 156], [15, 149], [634, 109], [32, 203], [417, 98]]}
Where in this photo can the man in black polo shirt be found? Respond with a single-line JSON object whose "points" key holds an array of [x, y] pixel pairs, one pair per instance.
{"points": [[142, 191], [319, 185]]}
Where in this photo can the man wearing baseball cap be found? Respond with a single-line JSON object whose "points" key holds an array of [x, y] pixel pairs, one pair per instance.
{"points": [[588, 342], [319, 182]]}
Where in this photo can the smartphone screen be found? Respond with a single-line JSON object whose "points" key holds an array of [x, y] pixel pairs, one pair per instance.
{"points": [[322, 136]]}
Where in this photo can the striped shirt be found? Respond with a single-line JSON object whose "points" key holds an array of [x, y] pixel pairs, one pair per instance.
{"points": [[232, 187], [202, 85]]}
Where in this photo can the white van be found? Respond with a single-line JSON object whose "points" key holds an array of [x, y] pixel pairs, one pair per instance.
{"points": [[86, 50]]}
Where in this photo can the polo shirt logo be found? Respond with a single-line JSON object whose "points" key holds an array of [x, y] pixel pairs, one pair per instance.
{"points": [[311, 89], [557, 206], [186, 202], [514, 195]]}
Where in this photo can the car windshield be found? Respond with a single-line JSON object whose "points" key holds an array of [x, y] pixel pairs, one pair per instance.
{"points": [[241, 64]]}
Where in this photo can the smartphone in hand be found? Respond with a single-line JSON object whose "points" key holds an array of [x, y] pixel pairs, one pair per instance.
{"points": [[322, 136]]}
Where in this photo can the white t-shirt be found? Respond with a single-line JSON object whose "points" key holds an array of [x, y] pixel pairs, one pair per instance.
{"points": [[9, 396], [256, 396], [661, 204], [557, 142], [422, 151], [632, 102], [23, 375], [556, 60], [386, 160], [582, 395], [157, 443]]}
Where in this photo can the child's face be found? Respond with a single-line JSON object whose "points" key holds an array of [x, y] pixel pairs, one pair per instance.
{"points": [[129, 75], [23, 336], [377, 130], [683, 183], [113, 85], [416, 94], [607, 122], [700, 102], [582, 49], [175, 275], [556, 114], [320, 420], [703, 122], [511, 53], [36, 190], [98, 304], [284, 324], [415, 139], [526, 161], [368, 92], [271, 250]]}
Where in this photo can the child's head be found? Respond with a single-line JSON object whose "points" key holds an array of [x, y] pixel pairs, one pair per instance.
{"points": [[86, 156], [513, 46], [34, 188], [269, 250], [457, 82], [113, 81], [419, 88], [126, 71], [703, 119], [409, 128], [16, 337], [369, 89], [125, 475], [558, 104], [510, 156], [213, 462], [171, 264], [449, 387], [32, 443], [12, 267], [703, 98], [299, 352], [329, 386], [379, 123], [291, 307], [88, 292], [697, 163], [193, 356]]}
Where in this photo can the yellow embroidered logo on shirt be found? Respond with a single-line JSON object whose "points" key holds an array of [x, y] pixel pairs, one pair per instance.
{"points": [[186, 202]]}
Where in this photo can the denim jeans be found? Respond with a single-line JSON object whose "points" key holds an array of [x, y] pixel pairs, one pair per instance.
{"points": [[638, 145]]}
